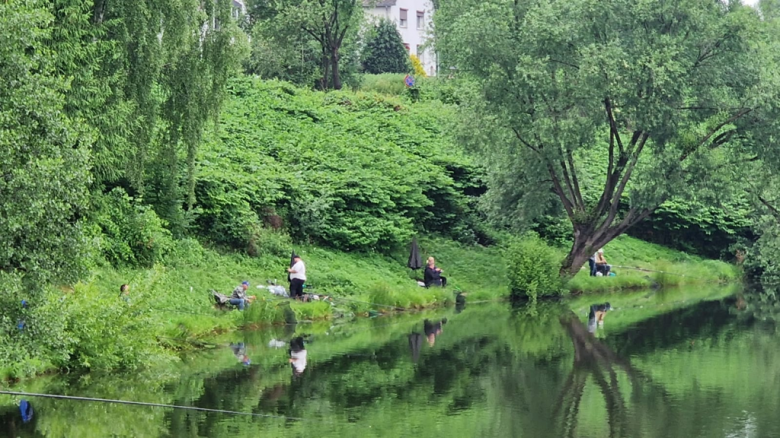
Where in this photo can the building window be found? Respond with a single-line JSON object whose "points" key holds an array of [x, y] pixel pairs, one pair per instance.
{"points": [[420, 19], [402, 20]]}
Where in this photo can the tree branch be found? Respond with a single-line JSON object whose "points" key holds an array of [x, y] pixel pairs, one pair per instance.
{"points": [[712, 132], [522, 140], [575, 180]]}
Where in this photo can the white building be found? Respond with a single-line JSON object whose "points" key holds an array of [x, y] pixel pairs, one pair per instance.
{"points": [[413, 20], [239, 8]]}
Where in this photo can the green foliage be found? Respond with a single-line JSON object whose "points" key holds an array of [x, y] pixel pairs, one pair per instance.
{"points": [[45, 161], [350, 171], [388, 83], [295, 58], [145, 78], [532, 267], [558, 83], [132, 233], [331, 24], [384, 50]]}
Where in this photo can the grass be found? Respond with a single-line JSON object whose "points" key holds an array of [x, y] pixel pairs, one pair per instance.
{"points": [[638, 264], [171, 308], [368, 282], [179, 292], [385, 83]]}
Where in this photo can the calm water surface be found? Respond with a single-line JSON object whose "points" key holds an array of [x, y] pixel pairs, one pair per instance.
{"points": [[690, 363]]}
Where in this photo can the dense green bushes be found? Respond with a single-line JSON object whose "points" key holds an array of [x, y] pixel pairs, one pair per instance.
{"points": [[350, 171], [132, 233]]}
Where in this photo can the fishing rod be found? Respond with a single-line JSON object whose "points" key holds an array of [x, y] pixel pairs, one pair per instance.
{"points": [[156, 405], [366, 302], [650, 270]]}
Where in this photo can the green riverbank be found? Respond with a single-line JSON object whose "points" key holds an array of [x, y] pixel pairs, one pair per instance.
{"points": [[639, 264], [171, 309]]}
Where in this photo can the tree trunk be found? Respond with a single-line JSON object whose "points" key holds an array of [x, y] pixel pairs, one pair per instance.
{"points": [[325, 71], [589, 238], [335, 66]]}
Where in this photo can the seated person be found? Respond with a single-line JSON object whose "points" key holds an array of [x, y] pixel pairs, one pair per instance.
{"points": [[240, 298], [592, 265], [601, 263], [433, 274], [124, 292]]}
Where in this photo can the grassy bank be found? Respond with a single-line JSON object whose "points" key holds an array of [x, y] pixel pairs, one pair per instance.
{"points": [[358, 282], [639, 264], [170, 308]]}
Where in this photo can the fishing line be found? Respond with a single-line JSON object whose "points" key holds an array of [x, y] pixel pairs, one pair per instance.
{"points": [[156, 405]]}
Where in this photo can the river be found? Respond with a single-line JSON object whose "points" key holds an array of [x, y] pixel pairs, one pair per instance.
{"points": [[678, 363]]}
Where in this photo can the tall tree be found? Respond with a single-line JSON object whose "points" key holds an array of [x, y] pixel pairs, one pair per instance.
{"points": [[145, 77], [328, 22], [663, 96], [44, 166], [384, 51]]}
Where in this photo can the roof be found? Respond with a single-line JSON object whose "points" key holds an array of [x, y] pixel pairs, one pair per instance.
{"points": [[379, 3]]}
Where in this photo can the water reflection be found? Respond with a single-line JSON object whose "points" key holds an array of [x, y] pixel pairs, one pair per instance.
{"points": [[431, 329], [596, 316], [239, 351], [684, 370], [298, 356]]}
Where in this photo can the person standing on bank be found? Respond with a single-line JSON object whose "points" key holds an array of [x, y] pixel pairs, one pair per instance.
{"points": [[297, 278]]}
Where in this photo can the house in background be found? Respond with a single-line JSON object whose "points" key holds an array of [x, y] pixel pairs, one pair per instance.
{"points": [[239, 8], [413, 20]]}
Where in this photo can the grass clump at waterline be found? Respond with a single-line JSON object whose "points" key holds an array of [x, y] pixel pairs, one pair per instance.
{"points": [[639, 264]]}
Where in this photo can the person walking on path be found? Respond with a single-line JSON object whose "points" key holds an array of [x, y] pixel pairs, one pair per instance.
{"points": [[297, 278]]}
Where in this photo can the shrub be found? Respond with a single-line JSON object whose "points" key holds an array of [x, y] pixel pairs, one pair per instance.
{"points": [[387, 83], [417, 67], [350, 171], [384, 51], [132, 233], [533, 268]]}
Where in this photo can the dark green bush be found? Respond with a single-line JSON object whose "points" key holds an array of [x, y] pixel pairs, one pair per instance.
{"points": [[532, 268], [384, 51], [350, 171], [132, 233]]}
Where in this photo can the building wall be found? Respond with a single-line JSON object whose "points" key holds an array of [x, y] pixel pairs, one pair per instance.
{"points": [[413, 36]]}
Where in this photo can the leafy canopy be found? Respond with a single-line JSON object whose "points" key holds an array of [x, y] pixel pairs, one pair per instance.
{"points": [[44, 165], [667, 95]]}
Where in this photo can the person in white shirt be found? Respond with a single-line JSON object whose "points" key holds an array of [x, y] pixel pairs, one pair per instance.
{"points": [[297, 278]]}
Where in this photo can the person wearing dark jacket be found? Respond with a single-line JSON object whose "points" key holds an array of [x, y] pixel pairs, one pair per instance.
{"points": [[433, 274]]}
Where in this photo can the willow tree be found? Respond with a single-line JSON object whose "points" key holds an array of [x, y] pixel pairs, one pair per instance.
{"points": [[662, 97], [146, 76]]}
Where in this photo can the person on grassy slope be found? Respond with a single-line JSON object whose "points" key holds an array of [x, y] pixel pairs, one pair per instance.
{"points": [[433, 275], [239, 298], [601, 263], [297, 278]]}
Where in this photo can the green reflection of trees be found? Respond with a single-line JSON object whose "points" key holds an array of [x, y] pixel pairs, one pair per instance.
{"points": [[494, 371]]}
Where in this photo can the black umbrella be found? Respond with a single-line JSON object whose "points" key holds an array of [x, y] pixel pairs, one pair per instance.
{"points": [[292, 262], [415, 261]]}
